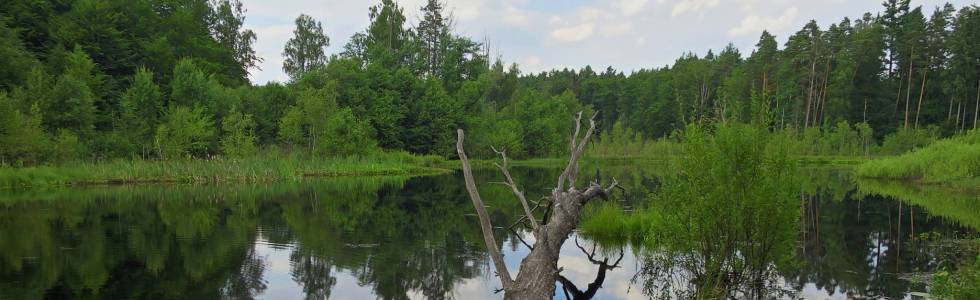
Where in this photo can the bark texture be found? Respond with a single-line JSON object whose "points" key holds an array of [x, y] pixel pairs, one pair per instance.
{"points": [[539, 269]]}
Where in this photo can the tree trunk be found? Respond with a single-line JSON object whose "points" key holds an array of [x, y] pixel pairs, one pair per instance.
{"points": [[949, 113], [976, 109], [922, 92], [820, 118], [809, 96], [538, 271], [908, 94], [865, 115], [959, 112], [898, 96]]}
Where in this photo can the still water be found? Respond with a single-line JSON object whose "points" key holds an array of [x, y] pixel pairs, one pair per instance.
{"points": [[417, 238]]}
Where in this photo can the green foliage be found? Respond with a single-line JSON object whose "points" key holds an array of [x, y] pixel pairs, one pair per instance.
{"points": [[142, 105], [726, 212], [344, 135], [905, 140], [291, 127], [70, 104], [499, 132], [267, 104], [16, 61], [106, 71], [606, 222], [238, 139], [305, 123], [185, 132], [21, 137], [305, 51], [431, 121], [66, 146], [227, 28], [545, 121], [191, 87]]}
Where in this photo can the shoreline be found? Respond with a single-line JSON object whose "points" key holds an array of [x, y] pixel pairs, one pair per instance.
{"points": [[276, 168]]}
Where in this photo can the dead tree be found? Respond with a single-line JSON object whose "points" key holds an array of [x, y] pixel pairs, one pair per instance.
{"points": [[539, 269]]}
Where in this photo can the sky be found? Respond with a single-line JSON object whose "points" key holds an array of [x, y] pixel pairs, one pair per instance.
{"points": [[540, 35]]}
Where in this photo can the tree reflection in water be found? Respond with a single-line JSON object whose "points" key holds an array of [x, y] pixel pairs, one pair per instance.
{"points": [[569, 287], [400, 238]]}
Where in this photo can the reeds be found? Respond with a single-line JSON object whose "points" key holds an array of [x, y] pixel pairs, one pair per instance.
{"points": [[267, 167]]}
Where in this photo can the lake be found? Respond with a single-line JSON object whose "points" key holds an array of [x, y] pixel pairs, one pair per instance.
{"points": [[418, 238]]}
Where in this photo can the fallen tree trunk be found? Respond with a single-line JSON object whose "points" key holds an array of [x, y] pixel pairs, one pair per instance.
{"points": [[539, 270]]}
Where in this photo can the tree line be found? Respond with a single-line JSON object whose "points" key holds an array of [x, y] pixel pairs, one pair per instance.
{"points": [[96, 79]]}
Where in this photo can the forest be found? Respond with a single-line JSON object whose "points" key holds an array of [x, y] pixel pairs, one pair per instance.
{"points": [[97, 81]]}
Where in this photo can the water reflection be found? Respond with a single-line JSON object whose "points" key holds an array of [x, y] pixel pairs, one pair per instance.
{"points": [[851, 241], [400, 238]]}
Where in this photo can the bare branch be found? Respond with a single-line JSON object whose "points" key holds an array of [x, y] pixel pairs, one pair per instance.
{"points": [[513, 187], [578, 125], [613, 185], [596, 190], [481, 211], [576, 152]]}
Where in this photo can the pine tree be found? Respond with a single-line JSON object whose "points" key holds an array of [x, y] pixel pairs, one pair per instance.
{"points": [[433, 33]]}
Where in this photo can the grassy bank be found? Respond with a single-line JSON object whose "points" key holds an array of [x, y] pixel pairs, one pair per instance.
{"points": [[262, 168], [954, 161]]}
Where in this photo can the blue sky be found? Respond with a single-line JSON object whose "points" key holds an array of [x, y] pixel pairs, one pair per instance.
{"points": [[546, 34]]}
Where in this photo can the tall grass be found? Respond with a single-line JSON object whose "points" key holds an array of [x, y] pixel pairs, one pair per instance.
{"points": [[267, 167], [954, 161]]}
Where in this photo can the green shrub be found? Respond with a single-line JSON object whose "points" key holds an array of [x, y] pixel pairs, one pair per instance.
{"points": [[345, 135], [21, 135], [185, 132], [239, 134], [905, 140], [66, 146], [730, 206]]}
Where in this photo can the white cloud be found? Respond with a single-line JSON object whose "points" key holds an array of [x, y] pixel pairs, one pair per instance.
{"points": [[471, 10], [575, 33], [616, 29], [630, 7], [515, 17], [555, 20], [754, 24], [692, 6], [590, 13], [531, 63]]}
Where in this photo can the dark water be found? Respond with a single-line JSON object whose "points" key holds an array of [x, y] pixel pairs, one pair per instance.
{"points": [[417, 238]]}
